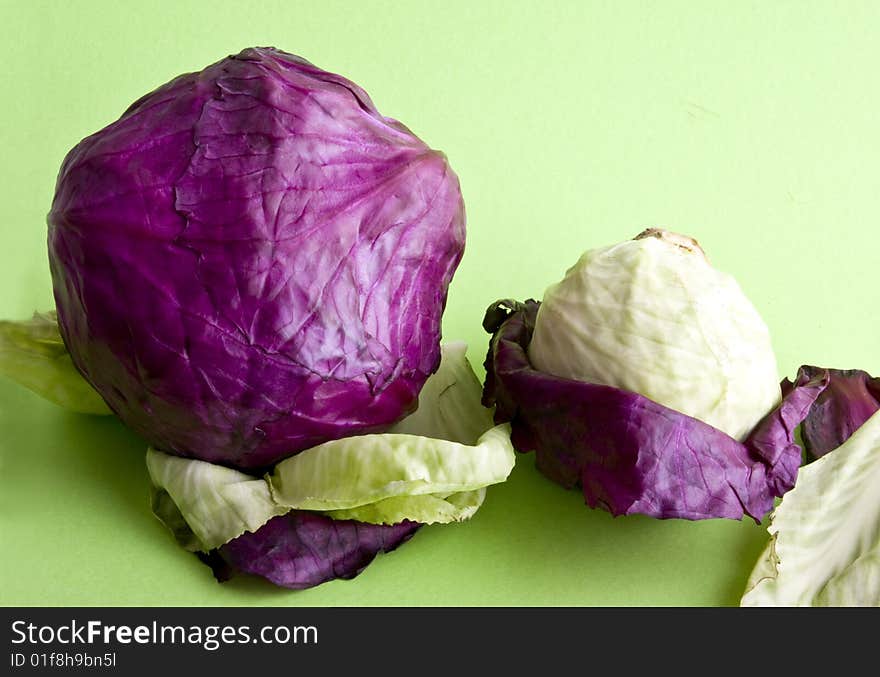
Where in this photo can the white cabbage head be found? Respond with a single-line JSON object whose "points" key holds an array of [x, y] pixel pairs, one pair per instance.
{"points": [[652, 316]]}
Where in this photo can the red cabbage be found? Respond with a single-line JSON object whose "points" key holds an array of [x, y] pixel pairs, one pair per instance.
{"points": [[252, 261]]}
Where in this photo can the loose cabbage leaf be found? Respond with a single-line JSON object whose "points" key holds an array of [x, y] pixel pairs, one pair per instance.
{"points": [[380, 478], [358, 471], [851, 398], [449, 403], [302, 549], [448, 425], [825, 533], [218, 503], [33, 354], [229, 516], [426, 508], [629, 454]]}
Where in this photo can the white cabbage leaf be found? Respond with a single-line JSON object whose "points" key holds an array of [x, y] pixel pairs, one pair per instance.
{"points": [[824, 548]]}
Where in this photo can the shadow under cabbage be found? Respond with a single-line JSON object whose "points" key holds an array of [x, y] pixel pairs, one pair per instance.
{"points": [[575, 555], [538, 538]]}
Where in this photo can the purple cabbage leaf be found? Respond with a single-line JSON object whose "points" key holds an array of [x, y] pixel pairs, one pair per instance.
{"points": [[851, 398], [629, 454], [302, 549], [824, 545]]}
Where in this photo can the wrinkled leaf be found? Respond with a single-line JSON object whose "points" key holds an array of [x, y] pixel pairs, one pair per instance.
{"points": [[825, 533], [302, 549], [232, 520], [449, 403], [427, 508], [218, 503], [851, 398], [33, 354], [358, 471], [629, 454]]}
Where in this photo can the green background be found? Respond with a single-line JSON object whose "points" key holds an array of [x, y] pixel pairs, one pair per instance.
{"points": [[750, 126]]}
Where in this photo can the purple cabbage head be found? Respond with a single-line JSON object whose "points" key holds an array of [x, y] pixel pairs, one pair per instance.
{"points": [[252, 260]]}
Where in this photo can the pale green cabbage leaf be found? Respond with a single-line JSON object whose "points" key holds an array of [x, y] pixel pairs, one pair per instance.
{"points": [[215, 501], [357, 471], [431, 467], [825, 534], [33, 354], [426, 508], [449, 402]]}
